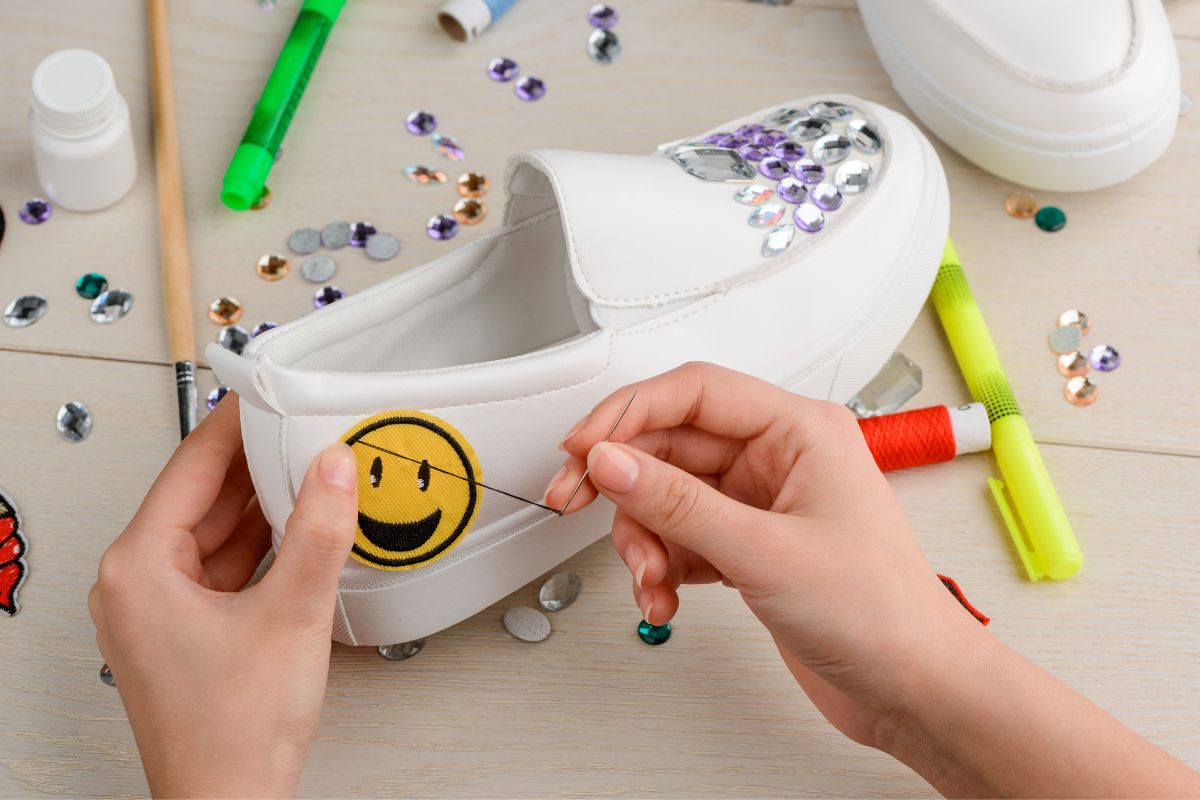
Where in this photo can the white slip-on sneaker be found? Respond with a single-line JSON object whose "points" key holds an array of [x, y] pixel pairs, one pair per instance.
{"points": [[1069, 95], [454, 382]]}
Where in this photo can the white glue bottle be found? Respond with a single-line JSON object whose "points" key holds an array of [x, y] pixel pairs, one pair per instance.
{"points": [[82, 143]]}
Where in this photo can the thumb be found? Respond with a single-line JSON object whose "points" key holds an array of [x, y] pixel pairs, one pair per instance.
{"points": [[318, 536], [679, 507]]}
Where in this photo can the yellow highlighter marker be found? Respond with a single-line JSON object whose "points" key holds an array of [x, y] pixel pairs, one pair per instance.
{"points": [[1028, 503]]}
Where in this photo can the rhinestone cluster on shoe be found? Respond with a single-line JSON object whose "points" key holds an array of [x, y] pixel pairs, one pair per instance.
{"points": [[799, 164]]}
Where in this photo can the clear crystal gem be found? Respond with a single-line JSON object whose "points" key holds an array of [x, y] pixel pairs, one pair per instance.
{"points": [[792, 190], [767, 215], [603, 46], [401, 651], [74, 422], [831, 109], [778, 239], [527, 624], [864, 136], [106, 676], [25, 311], [234, 338], [809, 218], [559, 591], [111, 306], [831, 149], [894, 386], [853, 176], [714, 164], [826, 196], [753, 195], [781, 117], [806, 129]]}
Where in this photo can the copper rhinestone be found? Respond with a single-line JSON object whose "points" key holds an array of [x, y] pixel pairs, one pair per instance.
{"points": [[469, 212], [1073, 364], [225, 310], [273, 267], [1020, 205], [1081, 391], [472, 184]]}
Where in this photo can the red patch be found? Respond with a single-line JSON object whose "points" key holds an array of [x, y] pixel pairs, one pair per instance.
{"points": [[7, 525], [12, 548], [12, 575], [12, 557]]}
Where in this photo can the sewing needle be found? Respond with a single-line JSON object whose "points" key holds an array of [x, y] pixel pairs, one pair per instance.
{"points": [[583, 477]]}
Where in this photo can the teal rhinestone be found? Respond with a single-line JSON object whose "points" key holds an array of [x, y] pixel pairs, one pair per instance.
{"points": [[91, 285], [654, 634], [1050, 218]]}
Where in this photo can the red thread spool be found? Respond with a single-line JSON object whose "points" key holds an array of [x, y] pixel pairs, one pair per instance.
{"points": [[926, 435]]}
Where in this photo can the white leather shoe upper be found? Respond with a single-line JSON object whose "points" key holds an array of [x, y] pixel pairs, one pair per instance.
{"points": [[1069, 95]]}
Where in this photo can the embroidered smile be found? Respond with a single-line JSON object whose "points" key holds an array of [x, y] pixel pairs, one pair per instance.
{"points": [[399, 536]]}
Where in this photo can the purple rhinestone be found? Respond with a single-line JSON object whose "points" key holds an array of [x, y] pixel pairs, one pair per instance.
{"points": [[1104, 358], [530, 88], [602, 16], [826, 196], [326, 295], [502, 69], [442, 227], [215, 396], [768, 138], [808, 171], [753, 152], [35, 211], [749, 130], [808, 218], [788, 151], [791, 190], [420, 123], [773, 168], [715, 138], [262, 327], [359, 233]]}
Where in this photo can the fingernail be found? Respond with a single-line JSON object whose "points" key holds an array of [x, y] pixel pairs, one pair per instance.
{"points": [[337, 468], [635, 559], [613, 467], [646, 611], [562, 445], [557, 479]]}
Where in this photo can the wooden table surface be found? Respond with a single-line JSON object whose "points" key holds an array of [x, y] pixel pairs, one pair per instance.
{"points": [[590, 711]]}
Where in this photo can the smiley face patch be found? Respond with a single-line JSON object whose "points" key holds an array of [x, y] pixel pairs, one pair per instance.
{"points": [[12, 557], [418, 489]]}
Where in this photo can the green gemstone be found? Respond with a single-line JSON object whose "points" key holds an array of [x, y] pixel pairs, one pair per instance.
{"points": [[91, 285], [1050, 218], [654, 634]]}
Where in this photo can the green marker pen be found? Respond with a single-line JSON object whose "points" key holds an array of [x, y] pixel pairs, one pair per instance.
{"points": [[252, 161]]}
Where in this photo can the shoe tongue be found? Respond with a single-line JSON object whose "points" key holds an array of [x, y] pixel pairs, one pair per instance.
{"points": [[640, 230]]}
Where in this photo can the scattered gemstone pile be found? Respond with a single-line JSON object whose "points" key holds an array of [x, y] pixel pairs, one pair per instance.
{"points": [[467, 211], [1073, 364], [602, 43], [1022, 205], [505, 70]]}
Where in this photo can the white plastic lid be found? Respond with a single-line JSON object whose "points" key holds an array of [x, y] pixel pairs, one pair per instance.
{"points": [[463, 20], [73, 90]]}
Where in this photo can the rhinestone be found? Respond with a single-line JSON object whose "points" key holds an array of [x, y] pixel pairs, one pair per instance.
{"points": [[234, 338], [1064, 340], [1020, 205], [402, 651], [808, 171], [25, 310], [336, 235], [714, 138], [215, 396], [714, 164], [768, 138], [106, 676], [778, 239], [526, 624], [1073, 364], [326, 295], [749, 130], [225, 310], [261, 328], [90, 285], [111, 305], [318, 269], [530, 88], [263, 200], [35, 211], [420, 123], [441, 227], [602, 16], [774, 168], [560, 591], [784, 117], [792, 190], [304, 241], [653, 634], [1081, 391], [359, 233], [831, 149], [502, 69], [894, 386], [273, 267], [1050, 219], [468, 211], [767, 215], [472, 184], [1075, 317], [74, 422], [732, 141], [424, 175], [753, 195], [448, 147], [864, 136], [603, 46], [826, 196], [808, 218], [807, 128], [853, 177], [831, 109], [788, 151], [1104, 358], [753, 152], [382, 247]]}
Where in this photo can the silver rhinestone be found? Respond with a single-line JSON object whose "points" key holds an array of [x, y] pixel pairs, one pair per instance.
{"points": [[853, 177], [560, 590], [831, 149], [864, 136], [767, 215], [831, 109], [1065, 339], [304, 241], [106, 676], [234, 338], [806, 129], [894, 386], [527, 624], [25, 310], [783, 116], [335, 235], [111, 306], [603, 46], [754, 195], [714, 164], [402, 651], [382, 246], [74, 422], [778, 239], [318, 269]]}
